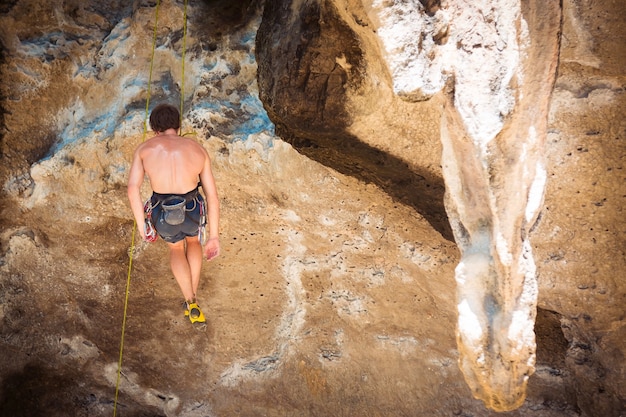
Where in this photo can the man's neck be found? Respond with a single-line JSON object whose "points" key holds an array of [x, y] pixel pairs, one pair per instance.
{"points": [[168, 132]]}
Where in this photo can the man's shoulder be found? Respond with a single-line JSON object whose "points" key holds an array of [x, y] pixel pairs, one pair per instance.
{"points": [[143, 146], [150, 141], [195, 145]]}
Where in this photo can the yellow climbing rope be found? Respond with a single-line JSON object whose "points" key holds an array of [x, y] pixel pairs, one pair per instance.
{"points": [[182, 81], [132, 242], [145, 132]]}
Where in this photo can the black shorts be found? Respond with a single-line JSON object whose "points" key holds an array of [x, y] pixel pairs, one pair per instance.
{"points": [[194, 210]]}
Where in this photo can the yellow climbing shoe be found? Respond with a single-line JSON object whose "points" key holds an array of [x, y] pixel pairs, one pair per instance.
{"points": [[194, 313]]}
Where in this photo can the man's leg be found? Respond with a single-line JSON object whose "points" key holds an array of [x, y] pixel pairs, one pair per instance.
{"points": [[181, 269], [194, 260]]}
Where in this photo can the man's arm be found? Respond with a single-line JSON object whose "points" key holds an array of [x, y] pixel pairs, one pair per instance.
{"points": [[212, 246], [135, 179]]}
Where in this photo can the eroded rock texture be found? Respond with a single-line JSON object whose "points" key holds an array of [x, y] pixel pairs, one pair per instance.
{"points": [[500, 64], [496, 62]]}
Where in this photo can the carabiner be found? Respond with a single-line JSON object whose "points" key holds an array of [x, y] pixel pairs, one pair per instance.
{"points": [[151, 234]]}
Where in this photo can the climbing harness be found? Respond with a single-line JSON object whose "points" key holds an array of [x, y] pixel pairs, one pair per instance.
{"points": [[148, 225], [174, 207]]}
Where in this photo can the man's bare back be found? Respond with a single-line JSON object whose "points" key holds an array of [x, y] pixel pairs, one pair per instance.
{"points": [[173, 164]]}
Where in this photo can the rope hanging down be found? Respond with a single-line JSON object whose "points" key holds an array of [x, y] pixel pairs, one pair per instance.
{"points": [[182, 76], [145, 133]]}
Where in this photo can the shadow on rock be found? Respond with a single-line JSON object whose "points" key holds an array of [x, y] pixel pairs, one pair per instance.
{"points": [[39, 392], [420, 190], [34, 392]]}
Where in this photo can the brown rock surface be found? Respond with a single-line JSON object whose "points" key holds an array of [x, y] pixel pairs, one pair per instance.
{"points": [[335, 292]]}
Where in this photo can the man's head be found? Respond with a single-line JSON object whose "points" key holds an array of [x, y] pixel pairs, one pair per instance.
{"points": [[163, 117]]}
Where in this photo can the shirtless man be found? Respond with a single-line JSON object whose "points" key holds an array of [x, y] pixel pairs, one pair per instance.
{"points": [[174, 165]]}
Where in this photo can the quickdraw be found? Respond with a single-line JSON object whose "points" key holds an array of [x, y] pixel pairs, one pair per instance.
{"points": [[148, 227], [202, 225]]}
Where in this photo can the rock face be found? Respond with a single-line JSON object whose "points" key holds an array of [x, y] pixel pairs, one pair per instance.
{"points": [[493, 132], [335, 292], [499, 60]]}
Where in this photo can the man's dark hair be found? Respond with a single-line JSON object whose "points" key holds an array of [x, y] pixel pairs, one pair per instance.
{"points": [[163, 117]]}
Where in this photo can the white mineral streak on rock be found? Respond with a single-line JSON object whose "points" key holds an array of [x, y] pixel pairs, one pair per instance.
{"points": [[495, 181], [537, 188], [407, 34], [128, 384], [493, 171], [292, 320], [487, 59]]}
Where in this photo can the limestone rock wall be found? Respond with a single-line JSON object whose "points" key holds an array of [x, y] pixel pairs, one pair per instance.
{"points": [[497, 63]]}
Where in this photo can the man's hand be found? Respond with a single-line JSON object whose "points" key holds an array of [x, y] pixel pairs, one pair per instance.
{"points": [[212, 248], [142, 233], [141, 228]]}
